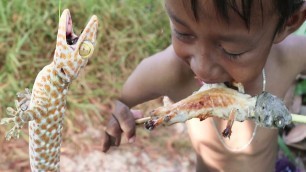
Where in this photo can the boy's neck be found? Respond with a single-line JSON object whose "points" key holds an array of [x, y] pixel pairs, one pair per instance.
{"points": [[255, 86]]}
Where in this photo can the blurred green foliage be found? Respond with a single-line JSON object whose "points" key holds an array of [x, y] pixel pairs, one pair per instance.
{"points": [[300, 88]]}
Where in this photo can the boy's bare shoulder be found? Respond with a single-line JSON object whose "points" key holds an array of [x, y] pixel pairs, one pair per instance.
{"points": [[161, 74], [292, 52]]}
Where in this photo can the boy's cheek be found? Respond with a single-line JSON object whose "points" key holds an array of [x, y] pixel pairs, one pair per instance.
{"points": [[182, 50]]}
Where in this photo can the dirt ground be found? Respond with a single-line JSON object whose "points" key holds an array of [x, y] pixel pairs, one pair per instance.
{"points": [[166, 150]]}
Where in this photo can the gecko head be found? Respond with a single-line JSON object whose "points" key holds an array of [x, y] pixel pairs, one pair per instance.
{"points": [[73, 51], [270, 111]]}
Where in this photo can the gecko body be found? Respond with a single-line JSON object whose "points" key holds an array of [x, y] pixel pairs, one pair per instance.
{"points": [[45, 107]]}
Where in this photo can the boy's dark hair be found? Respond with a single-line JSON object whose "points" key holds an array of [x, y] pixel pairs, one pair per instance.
{"points": [[285, 9]]}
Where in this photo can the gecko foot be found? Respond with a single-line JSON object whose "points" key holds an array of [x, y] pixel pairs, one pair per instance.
{"points": [[14, 132], [150, 125], [227, 132]]}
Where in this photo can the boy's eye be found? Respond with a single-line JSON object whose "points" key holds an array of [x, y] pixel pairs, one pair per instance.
{"points": [[232, 56], [183, 36]]}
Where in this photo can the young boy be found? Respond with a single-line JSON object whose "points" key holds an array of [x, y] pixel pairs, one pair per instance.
{"points": [[220, 41]]}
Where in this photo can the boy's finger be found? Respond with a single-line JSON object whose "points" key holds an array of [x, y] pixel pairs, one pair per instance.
{"points": [[106, 142], [113, 127], [126, 119], [137, 113]]}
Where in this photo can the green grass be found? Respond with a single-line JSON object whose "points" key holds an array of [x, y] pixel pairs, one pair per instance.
{"points": [[129, 31]]}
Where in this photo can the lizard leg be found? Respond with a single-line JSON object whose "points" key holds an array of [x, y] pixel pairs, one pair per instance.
{"points": [[239, 87], [19, 119], [24, 99], [228, 130]]}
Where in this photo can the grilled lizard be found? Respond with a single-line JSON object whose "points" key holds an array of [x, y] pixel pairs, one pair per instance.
{"points": [[217, 100], [44, 108]]}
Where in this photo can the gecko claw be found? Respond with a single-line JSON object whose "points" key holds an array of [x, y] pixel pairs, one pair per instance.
{"points": [[6, 121], [149, 125], [227, 132], [13, 133]]}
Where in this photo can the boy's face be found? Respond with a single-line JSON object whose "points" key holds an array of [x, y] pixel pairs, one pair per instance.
{"points": [[217, 50]]}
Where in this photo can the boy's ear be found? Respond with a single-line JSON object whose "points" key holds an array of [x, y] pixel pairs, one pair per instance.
{"points": [[292, 24]]}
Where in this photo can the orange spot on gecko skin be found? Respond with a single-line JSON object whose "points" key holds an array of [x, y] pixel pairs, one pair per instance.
{"points": [[54, 72], [59, 44], [60, 89], [63, 56], [57, 102], [91, 34], [53, 137], [38, 150], [55, 118], [47, 88], [52, 146], [45, 138], [37, 142], [43, 166], [54, 94], [38, 120], [61, 65], [44, 79], [79, 62], [49, 121], [43, 126], [18, 119], [70, 65], [53, 160], [37, 132], [51, 129], [52, 111], [57, 144], [69, 56]]}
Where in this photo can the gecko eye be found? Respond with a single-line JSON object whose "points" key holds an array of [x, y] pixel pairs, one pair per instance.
{"points": [[86, 49]]}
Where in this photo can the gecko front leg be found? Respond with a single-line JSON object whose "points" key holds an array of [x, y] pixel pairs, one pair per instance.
{"points": [[18, 116], [228, 130], [19, 119]]}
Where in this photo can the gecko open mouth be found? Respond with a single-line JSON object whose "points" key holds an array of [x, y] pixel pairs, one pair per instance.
{"points": [[71, 38]]}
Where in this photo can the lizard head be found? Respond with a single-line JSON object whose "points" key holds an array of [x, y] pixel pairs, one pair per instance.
{"points": [[72, 51], [270, 111]]}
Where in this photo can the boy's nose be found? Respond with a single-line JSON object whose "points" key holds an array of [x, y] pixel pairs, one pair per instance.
{"points": [[202, 66]]}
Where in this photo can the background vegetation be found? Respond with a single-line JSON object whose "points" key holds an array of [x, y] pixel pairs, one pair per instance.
{"points": [[129, 31]]}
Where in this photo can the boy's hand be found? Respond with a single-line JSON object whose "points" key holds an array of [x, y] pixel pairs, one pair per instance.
{"points": [[121, 122]]}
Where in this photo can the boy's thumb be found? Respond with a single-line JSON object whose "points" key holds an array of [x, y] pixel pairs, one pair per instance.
{"points": [[137, 113]]}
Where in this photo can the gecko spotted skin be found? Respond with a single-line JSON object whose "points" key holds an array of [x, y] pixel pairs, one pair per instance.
{"points": [[44, 108]]}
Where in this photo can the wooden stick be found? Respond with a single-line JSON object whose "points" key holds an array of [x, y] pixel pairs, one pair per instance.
{"points": [[142, 120], [298, 118], [295, 118]]}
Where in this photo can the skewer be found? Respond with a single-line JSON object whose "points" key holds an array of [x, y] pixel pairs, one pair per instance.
{"points": [[142, 120], [295, 118]]}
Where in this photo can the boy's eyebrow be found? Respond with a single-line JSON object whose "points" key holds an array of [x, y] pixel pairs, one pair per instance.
{"points": [[175, 18]]}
